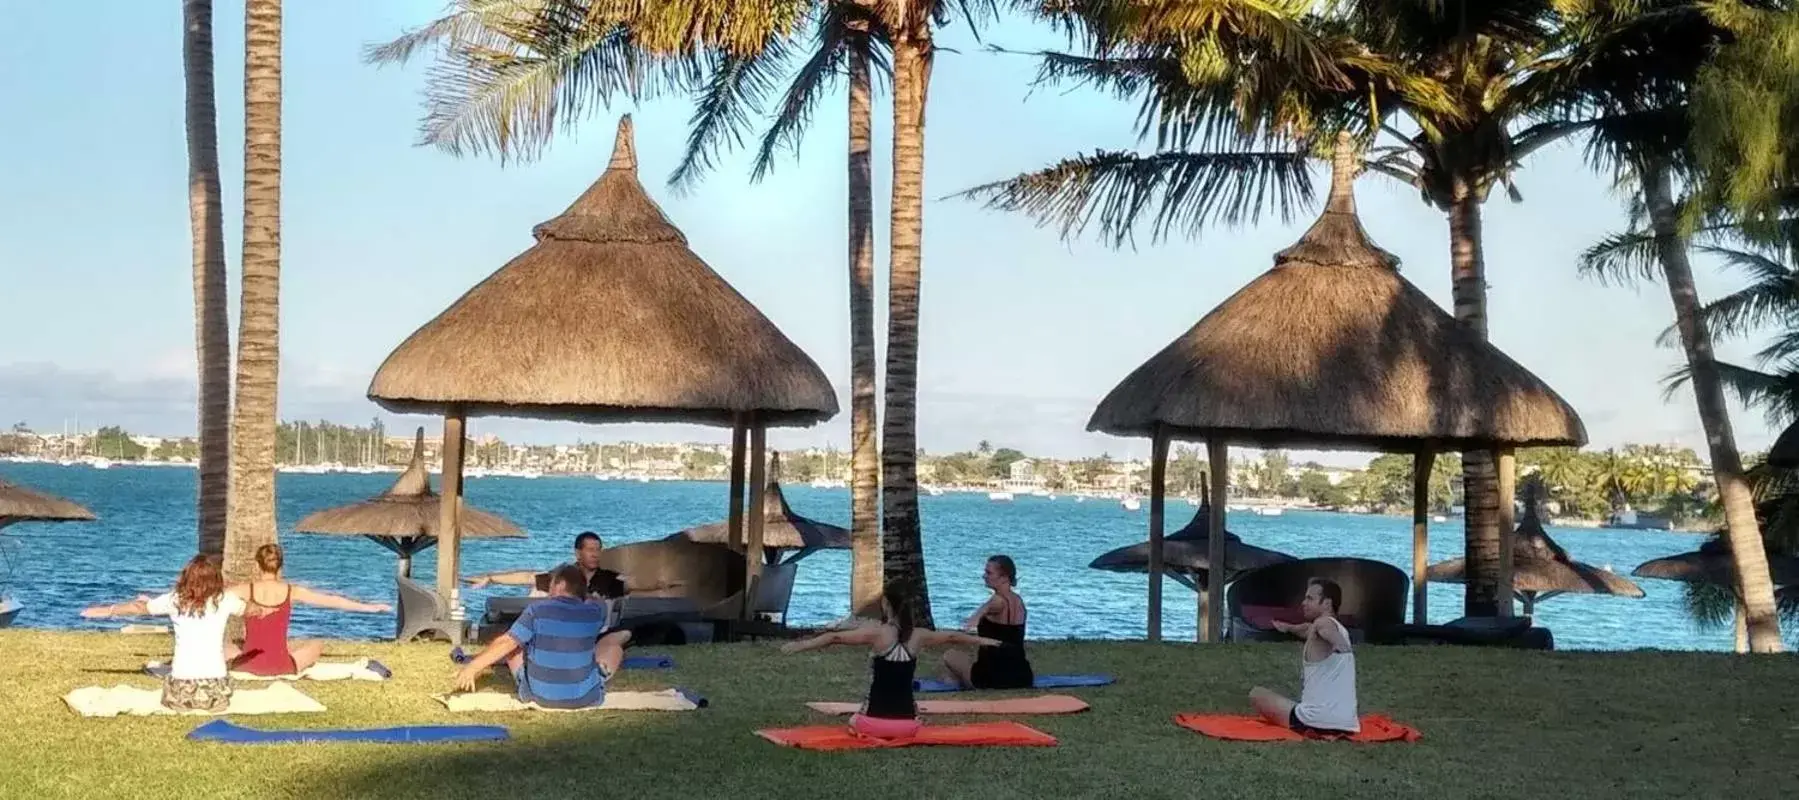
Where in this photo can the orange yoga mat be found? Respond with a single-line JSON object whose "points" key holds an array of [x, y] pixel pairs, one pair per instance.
{"points": [[1245, 728], [974, 734], [1041, 704]]}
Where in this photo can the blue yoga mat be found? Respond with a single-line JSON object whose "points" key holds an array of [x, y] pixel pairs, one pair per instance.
{"points": [[1043, 682], [631, 662], [220, 730]]}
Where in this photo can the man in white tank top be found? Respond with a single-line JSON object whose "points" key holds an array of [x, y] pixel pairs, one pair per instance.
{"points": [[1327, 698]]}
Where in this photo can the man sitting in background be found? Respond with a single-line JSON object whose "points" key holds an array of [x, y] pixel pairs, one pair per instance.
{"points": [[1327, 695], [601, 583], [552, 651]]}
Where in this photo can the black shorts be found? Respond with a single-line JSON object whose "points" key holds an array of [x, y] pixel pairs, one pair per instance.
{"points": [[1300, 727]]}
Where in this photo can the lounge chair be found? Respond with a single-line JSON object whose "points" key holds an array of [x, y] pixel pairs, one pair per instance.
{"points": [[774, 593], [422, 612], [1374, 597]]}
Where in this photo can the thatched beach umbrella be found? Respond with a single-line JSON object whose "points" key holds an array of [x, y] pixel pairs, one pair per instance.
{"points": [[1712, 564], [1785, 452], [1330, 349], [19, 504], [783, 533], [1541, 568], [609, 317], [405, 518]]}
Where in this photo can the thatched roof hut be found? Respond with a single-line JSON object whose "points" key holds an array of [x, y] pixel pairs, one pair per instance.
{"points": [[19, 504], [783, 530], [1712, 563], [405, 518], [609, 317], [1331, 349], [1541, 568]]}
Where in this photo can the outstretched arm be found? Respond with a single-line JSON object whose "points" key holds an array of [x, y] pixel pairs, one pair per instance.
{"points": [[313, 597], [501, 647], [522, 577], [1302, 630], [954, 639], [135, 608], [862, 636], [975, 618]]}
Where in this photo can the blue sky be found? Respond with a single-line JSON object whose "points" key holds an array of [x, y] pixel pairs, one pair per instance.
{"points": [[1022, 332]]}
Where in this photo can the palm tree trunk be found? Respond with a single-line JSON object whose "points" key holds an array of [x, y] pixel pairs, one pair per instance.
{"points": [[258, 349], [1480, 480], [1752, 582], [902, 540], [865, 456], [212, 315]]}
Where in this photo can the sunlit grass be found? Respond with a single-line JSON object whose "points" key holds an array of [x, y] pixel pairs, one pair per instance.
{"points": [[1496, 724]]}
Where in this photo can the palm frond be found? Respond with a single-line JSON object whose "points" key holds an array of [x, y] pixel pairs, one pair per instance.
{"points": [[1170, 192], [837, 38], [1772, 294], [1775, 393], [726, 107], [469, 21], [1622, 258]]}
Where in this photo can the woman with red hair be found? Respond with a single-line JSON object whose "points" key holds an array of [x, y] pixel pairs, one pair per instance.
{"points": [[198, 609]]}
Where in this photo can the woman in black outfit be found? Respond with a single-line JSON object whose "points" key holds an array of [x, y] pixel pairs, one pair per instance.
{"points": [[893, 645], [1002, 665]]}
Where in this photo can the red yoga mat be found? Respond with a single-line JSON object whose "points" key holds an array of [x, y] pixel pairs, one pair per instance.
{"points": [[975, 734], [1244, 728], [1041, 704]]}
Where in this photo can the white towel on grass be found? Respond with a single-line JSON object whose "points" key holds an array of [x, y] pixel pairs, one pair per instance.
{"points": [[665, 700], [276, 698], [323, 671]]}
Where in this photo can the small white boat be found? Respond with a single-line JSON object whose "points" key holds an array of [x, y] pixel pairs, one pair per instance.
{"points": [[935, 492], [1269, 511], [1000, 497], [1439, 518], [1193, 501], [9, 610], [1131, 504]]}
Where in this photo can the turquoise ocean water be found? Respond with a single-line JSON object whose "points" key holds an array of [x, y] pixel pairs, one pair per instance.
{"points": [[146, 531]]}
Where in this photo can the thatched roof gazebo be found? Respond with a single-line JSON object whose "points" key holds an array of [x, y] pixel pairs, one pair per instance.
{"points": [[1330, 349], [1541, 568], [406, 517], [19, 504], [786, 536], [609, 317], [1186, 555], [1712, 563]]}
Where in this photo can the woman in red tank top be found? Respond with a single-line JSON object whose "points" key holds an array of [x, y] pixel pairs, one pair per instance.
{"points": [[266, 650]]}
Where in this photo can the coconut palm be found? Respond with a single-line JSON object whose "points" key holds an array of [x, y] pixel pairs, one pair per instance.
{"points": [[1637, 64], [252, 491], [212, 316], [1234, 92], [511, 73]]}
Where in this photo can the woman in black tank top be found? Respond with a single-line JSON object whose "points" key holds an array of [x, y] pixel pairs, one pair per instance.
{"points": [[890, 711], [1001, 619]]}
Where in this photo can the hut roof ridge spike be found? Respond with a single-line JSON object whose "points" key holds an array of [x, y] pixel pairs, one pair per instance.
{"points": [[1337, 238]]}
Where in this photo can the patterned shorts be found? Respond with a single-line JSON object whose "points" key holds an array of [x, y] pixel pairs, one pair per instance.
{"points": [[207, 694]]}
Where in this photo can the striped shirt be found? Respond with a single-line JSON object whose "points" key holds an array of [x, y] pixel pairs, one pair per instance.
{"points": [[558, 635]]}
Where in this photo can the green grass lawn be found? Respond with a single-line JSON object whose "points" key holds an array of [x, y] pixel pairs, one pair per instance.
{"points": [[1496, 724]]}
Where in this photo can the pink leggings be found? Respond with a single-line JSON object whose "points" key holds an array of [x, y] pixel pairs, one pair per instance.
{"points": [[877, 728]]}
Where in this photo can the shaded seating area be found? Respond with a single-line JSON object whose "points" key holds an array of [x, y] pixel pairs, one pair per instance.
{"points": [[1330, 349], [787, 536], [405, 519], [19, 504], [608, 317], [1374, 597]]}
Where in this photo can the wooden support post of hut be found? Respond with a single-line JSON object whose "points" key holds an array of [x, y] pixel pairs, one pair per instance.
{"points": [[1218, 454], [449, 538], [734, 520], [757, 516], [1158, 491], [1422, 464], [1332, 349], [609, 317]]}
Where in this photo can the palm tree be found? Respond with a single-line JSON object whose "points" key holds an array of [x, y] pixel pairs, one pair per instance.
{"points": [[1236, 92], [212, 316], [508, 76], [1639, 65], [258, 337]]}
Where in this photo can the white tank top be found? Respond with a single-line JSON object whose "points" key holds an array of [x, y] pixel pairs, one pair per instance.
{"points": [[1327, 694]]}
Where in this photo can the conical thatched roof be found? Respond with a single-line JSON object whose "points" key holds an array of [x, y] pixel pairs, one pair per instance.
{"points": [[1540, 565], [408, 509], [1333, 348], [1785, 452], [1186, 551], [19, 504], [782, 529], [609, 317], [1712, 563]]}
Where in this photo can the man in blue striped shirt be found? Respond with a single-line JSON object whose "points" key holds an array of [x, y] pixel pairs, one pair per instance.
{"points": [[555, 650]]}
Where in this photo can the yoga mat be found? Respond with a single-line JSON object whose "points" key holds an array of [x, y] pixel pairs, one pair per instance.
{"points": [[974, 734], [665, 700], [276, 698], [220, 730], [1246, 728], [363, 669], [1043, 682], [1042, 704], [631, 662]]}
